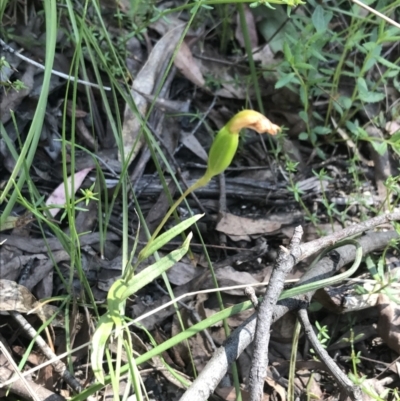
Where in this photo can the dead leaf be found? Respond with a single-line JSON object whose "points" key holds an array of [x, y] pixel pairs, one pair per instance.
{"points": [[283, 329], [78, 113], [236, 225], [14, 297], [230, 79], [181, 273], [193, 144], [228, 277], [58, 196], [389, 322], [200, 350], [17, 298], [16, 222], [185, 63], [277, 387], [251, 27], [392, 127], [309, 382], [145, 82], [267, 58]]}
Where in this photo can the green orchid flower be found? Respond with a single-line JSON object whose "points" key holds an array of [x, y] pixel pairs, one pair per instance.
{"points": [[223, 150]]}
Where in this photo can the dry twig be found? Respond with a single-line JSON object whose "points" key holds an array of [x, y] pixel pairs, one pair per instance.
{"points": [[353, 391], [211, 375], [284, 264]]}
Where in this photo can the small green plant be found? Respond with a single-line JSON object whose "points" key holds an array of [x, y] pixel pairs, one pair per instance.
{"points": [[393, 189], [354, 356], [268, 3], [223, 149], [88, 195], [293, 187], [313, 71], [221, 154], [330, 207], [323, 337], [16, 85], [384, 278]]}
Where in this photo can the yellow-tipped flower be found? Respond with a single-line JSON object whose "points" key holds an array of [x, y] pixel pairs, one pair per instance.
{"points": [[225, 144], [222, 152], [253, 120]]}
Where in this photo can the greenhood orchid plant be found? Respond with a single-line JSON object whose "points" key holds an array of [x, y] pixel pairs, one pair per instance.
{"points": [[220, 157], [223, 150]]}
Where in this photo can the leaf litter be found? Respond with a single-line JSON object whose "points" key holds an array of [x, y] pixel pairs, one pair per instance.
{"points": [[251, 206]]}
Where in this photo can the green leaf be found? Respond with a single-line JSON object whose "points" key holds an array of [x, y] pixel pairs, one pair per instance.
{"points": [[316, 115], [117, 294], [147, 275], [328, 72], [380, 147], [303, 136], [396, 84], [161, 240], [387, 63], [370, 46], [345, 102], [318, 19], [31, 141], [351, 126], [318, 55], [303, 95], [320, 130], [372, 97], [285, 80], [287, 52], [374, 51], [99, 340], [362, 86], [321, 18], [395, 138], [338, 107], [304, 116], [391, 73], [305, 66], [321, 154], [115, 299], [369, 64], [365, 95], [273, 27]]}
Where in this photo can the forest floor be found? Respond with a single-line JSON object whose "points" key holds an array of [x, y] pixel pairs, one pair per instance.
{"points": [[89, 168]]}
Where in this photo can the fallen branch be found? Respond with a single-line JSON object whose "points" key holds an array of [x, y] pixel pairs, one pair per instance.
{"points": [[58, 365], [217, 367], [287, 259], [347, 386]]}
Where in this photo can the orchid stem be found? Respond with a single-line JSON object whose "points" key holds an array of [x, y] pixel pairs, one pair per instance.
{"points": [[199, 183], [221, 153]]}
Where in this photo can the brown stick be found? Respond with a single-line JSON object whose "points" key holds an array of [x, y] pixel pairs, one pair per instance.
{"points": [[216, 368]]}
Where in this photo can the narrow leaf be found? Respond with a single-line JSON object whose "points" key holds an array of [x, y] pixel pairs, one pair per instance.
{"points": [[287, 52], [387, 63], [152, 272], [166, 237], [380, 147], [58, 197], [285, 80], [305, 66], [318, 19], [99, 340]]}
